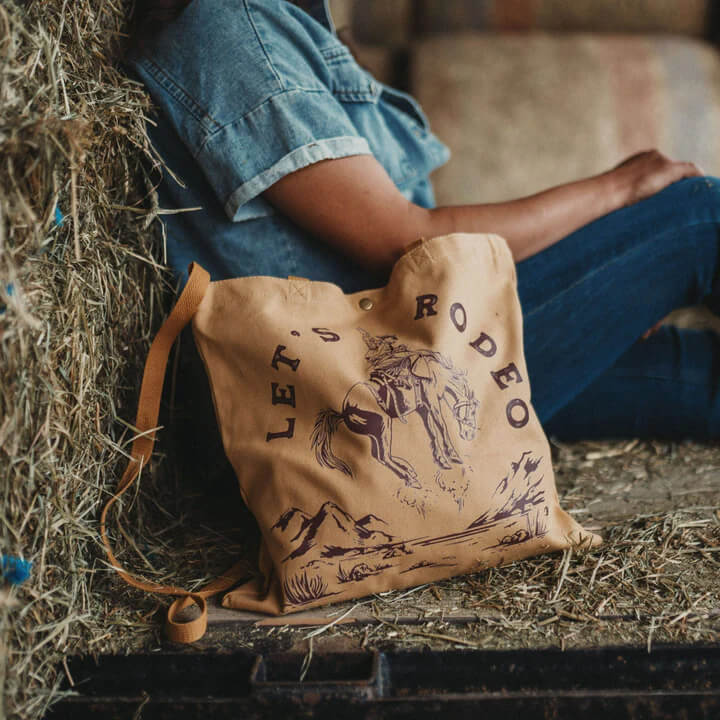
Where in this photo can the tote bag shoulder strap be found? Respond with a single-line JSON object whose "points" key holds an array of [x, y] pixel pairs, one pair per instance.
{"points": [[142, 447]]}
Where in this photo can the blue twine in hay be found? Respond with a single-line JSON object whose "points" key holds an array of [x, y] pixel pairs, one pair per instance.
{"points": [[9, 289], [14, 569], [58, 216]]}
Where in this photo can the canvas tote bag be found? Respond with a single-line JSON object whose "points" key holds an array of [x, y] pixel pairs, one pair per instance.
{"points": [[382, 439]]}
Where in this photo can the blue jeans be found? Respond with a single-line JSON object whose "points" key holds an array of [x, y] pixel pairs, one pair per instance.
{"points": [[588, 299]]}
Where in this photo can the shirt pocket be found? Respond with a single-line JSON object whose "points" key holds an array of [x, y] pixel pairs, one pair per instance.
{"points": [[347, 80], [408, 105], [363, 99]]}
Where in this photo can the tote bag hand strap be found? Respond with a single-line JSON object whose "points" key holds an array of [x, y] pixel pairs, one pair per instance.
{"points": [[142, 447]]}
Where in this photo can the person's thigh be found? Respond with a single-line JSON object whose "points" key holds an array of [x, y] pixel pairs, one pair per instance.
{"points": [[662, 387], [589, 297]]}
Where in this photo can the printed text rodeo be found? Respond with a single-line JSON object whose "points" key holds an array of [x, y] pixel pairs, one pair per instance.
{"points": [[516, 410]]}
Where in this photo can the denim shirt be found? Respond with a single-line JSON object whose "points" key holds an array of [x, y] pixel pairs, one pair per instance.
{"points": [[247, 91]]}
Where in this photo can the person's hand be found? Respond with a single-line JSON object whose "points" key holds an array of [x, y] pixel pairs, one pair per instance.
{"points": [[645, 174]]}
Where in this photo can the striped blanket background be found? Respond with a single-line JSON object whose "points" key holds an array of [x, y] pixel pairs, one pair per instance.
{"points": [[522, 112], [392, 22]]}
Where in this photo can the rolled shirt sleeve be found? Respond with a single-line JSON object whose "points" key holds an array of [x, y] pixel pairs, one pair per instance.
{"points": [[255, 90], [289, 131]]}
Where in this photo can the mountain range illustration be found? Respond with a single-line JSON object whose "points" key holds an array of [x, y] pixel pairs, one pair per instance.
{"points": [[517, 493], [331, 531], [332, 537]]}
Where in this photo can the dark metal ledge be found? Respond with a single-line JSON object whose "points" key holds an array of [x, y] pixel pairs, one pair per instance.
{"points": [[626, 683]]}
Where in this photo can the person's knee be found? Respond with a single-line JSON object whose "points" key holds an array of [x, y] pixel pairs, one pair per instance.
{"points": [[700, 197], [689, 212]]}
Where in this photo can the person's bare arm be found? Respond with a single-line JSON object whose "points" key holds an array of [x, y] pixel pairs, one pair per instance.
{"points": [[353, 204]]}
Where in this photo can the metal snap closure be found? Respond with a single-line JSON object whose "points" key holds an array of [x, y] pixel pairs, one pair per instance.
{"points": [[366, 303]]}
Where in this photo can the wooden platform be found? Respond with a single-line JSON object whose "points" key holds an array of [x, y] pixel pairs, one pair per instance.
{"points": [[644, 497]]}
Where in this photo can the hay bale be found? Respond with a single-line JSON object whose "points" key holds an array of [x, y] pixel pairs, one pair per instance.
{"points": [[80, 292]]}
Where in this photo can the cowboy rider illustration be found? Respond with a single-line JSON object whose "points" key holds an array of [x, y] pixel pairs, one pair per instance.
{"points": [[396, 370]]}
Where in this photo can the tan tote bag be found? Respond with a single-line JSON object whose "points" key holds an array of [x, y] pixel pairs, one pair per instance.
{"points": [[382, 439]]}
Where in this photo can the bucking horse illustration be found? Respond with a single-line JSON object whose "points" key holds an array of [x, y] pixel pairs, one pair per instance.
{"points": [[401, 381]]}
